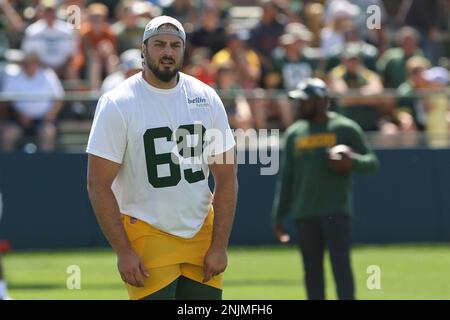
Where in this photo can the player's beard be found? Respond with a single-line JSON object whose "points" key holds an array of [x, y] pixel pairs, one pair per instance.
{"points": [[165, 75]]}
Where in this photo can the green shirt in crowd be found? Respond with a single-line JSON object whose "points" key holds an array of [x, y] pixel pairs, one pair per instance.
{"points": [[392, 67], [306, 186]]}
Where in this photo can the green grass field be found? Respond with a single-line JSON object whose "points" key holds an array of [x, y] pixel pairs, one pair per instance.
{"points": [[407, 272]]}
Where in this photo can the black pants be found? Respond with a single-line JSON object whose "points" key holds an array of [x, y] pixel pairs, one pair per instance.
{"points": [[332, 232]]}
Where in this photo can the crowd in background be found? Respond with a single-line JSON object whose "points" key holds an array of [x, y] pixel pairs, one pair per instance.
{"points": [[250, 51]]}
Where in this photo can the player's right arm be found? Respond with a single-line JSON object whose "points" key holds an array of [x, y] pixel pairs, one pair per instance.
{"points": [[283, 192], [106, 148], [101, 174]]}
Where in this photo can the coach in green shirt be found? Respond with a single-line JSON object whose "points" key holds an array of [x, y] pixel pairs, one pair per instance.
{"points": [[315, 186]]}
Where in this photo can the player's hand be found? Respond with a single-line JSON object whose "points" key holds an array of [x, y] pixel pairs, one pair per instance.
{"points": [[281, 234], [131, 268], [339, 158], [215, 263]]}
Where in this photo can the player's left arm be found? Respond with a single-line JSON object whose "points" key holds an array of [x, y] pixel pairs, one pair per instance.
{"points": [[224, 170], [222, 163], [363, 159]]}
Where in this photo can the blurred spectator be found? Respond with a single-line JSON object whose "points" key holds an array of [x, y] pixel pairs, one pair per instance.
{"points": [[76, 13], [297, 61], [314, 21], [52, 39], [97, 55], [128, 29], [248, 70], [352, 75], [182, 10], [369, 53], [438, 107], [264, 36], [10, 22], [210, 34], [200, 66], [245, 59], [32, 118], [411, 111], [293, 62], [130, 62], [131, 26], [236, 105], [341, 15], [425, 17], [392, 64]]}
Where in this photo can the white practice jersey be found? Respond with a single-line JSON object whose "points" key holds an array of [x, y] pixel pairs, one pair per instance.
{"points": [[159, 136]]}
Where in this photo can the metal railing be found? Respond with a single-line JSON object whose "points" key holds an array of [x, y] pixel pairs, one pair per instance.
{"points": [[74, 133]]}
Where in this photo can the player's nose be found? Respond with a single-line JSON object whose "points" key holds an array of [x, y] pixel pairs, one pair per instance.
{"points": [[168, 52]]}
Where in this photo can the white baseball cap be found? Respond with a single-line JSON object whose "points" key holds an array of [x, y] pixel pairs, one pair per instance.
{"points": [[153, 28]]}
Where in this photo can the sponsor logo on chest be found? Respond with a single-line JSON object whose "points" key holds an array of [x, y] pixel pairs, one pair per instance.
{"points": [[314, 141], [197, 102]]}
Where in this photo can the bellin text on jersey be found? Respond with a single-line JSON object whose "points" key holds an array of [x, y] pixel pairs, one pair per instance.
{"points": [[197, 100]]}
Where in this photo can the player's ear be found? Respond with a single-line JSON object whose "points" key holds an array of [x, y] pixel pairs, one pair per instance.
{"points": [[143, 49]]}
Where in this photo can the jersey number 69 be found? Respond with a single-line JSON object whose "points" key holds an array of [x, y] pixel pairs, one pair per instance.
{"points": [[153, 159]]}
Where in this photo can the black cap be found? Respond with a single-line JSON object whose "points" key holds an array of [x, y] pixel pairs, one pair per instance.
{"points": [[309, 89]]}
